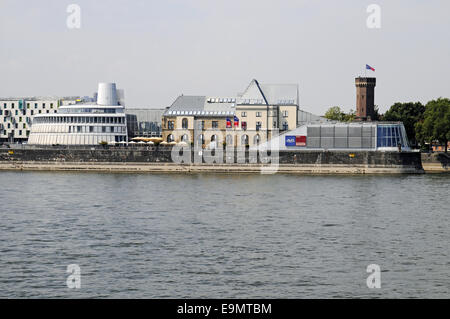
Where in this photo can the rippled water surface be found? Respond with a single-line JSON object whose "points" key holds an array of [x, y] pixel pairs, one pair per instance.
{"points": [[220, 236]]}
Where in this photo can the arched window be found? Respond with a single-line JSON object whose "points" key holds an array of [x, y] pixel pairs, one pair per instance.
{"points": [[184, 123], [213, 143], [184, 138], [244, 140], [256, 139], [201, 139], [229, 139], [170, 138]]}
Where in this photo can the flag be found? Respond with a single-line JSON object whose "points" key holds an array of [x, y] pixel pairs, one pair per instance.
{"points": [[368, 67], [228, 122], [236, 121]]}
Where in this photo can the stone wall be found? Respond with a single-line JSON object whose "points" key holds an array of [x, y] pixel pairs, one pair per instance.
{"points": [[163, 155], [436, 162]]}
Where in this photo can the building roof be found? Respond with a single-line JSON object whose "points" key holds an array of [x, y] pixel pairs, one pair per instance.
{"points": [[259, 94], [200, 106], [39, 98], [273, 94]]}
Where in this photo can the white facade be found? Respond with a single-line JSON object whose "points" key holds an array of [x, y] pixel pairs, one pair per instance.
{"points": [[16, 115], [83, 124]]}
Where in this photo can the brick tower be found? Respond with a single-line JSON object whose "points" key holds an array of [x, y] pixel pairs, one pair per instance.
{"points": [[365, 98]]}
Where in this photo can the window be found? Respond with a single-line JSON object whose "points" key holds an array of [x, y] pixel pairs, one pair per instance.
{"points": [[243, 114], [244, 140], [201, 139], [170, 138], [275, 124], [390, 136], [229, 139], [244, 125], [184, 123], [258, 126], [258, 114], [285, 125], [256, 139], [184, 138], [285, 113], [170, 125], [215, 124], [201, 125]]}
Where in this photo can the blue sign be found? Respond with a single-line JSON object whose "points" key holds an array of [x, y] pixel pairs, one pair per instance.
{"points": [[290, 140]]}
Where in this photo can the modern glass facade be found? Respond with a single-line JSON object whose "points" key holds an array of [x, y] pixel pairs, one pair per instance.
{"points": [[391, 135], [382, 136], [144, 122]]}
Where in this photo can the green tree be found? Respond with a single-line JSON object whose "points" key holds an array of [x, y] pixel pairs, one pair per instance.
{"points": [[409, 113], [336, 114], [436, 123]]}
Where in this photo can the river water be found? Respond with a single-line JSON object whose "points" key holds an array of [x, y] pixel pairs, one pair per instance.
{"points": [[223, 236]]}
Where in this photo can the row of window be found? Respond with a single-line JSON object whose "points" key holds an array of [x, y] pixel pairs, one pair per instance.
{"points": [[12, 105], [9, 113], [19, 132], [79, 129], [44, 139], [229, 139], [88, 110], [15, 125], [215, 125], [271, 113], [14, 120], [79, 119]]}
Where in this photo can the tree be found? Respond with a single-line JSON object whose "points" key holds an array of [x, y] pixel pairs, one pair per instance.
{"points": [[409, 113], [436, 123], [336, 114]]}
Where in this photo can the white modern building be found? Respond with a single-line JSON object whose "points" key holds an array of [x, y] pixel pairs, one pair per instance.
{"points": [[84, 123]]}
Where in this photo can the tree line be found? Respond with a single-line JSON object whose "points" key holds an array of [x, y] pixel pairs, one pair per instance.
{"points": [[424, 124]]}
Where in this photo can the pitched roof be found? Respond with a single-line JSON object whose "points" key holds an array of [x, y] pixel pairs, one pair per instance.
{"points": [[200, 106], [275, 94]]}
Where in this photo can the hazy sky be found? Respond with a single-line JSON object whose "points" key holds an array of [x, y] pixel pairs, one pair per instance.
{"points": [[156, 50]]}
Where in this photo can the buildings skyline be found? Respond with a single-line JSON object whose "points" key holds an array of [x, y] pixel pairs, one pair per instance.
{"points": [[315, 44]]}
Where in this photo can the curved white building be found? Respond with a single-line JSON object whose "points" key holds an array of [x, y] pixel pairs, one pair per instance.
{"points": [[83, 124]]}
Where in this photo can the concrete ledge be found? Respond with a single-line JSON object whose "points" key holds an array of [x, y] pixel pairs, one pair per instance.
{"points": [[436, 162], [208, 168]]}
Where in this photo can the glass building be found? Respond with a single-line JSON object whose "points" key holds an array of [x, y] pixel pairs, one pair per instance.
{"points": [[379, 136], [144, 122]]}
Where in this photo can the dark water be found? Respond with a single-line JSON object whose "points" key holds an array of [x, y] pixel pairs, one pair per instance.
{"points": [[224, 235]]}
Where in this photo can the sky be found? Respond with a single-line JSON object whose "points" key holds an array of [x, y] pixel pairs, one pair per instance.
{"points": [[157, 50]]}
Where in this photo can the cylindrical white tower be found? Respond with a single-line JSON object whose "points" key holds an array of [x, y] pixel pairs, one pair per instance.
{"points": [[107, 94]]}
